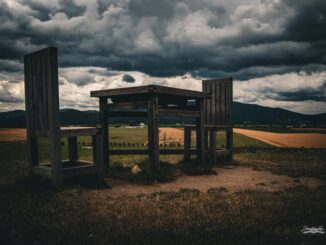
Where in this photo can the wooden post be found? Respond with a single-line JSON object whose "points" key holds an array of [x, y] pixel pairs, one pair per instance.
{"points": [[187, 143], [97, 156], [104, 132], [72, 148], [206, 139], [32, 151], [54, 120], [212, 145], [200, 132], [229, 143], [153, 134]]}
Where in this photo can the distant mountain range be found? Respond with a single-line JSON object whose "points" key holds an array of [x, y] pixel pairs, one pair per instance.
{"points": [[242, 114]]}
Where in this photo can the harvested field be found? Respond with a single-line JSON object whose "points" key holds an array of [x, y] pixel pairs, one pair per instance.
{"points": [[171, 135], [12, 134], [307, 140], [315, 130]]}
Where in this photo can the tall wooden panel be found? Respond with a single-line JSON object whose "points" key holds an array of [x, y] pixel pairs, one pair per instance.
{"points": [[218, 112]]}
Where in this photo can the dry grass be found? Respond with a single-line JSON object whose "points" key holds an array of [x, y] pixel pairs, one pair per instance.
{"points": [[31, 212]]}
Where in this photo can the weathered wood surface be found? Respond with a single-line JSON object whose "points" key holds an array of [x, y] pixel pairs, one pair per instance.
{"points": [[177, 113], [218, 108], [43, 115], [104, 131], [153, 134], [127, 113], [72, 148], [192, 151], [160, 90], [127, 105], [187, 144], [218, 113]]}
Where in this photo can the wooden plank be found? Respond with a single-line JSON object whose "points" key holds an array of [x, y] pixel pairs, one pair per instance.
{"points": [[200, 131], [148, 89], [32, 147], [78, 131], [223, 103], [187, 144], [177, 113], [146, 152], [127, 113], [217, 126], [33, 100], [97, 156], [42, 171], [213, 104], [54, 118], [72, 148], [177, 92], [127, 105], [229, 143], [86, 169], [45, 93], [104, 131], [120, 91], [153, 134], [212, 146]]}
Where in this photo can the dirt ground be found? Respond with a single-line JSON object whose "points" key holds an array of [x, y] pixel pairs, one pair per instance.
{"points": [[12, 134], [307, 140], [232, 179]]}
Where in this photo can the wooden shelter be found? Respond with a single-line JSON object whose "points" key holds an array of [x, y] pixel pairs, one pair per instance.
{"points": [[212, 109], [43, 120], [151, 101]]}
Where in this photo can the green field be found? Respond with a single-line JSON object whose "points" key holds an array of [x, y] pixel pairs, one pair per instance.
{"points": [[31, 212]]}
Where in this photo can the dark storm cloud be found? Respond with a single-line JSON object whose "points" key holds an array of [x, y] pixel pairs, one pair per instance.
{"points": [[128, 78], [169, 37], [243, 39]]}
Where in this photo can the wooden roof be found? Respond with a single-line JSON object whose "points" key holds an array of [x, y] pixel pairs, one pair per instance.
{"points": [[161, 90]]}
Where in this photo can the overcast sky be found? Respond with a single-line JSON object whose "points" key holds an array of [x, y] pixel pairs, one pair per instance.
{"points": [[274, 49]]}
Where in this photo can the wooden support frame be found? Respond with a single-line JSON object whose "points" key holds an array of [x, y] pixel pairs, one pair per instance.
{"points": [[187, 144], [153, 134], [104, 131], [161, 102], [212, 145], [72, 148]]}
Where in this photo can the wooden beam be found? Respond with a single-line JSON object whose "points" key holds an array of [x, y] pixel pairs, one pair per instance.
{"points": [[153, 134], [229, 143], [177, 151], [127, 105], [200, 133], [42, 171], [86, 169], [212, 146], [97, 156], [54, 119], [177, 113], [72, 148], [149, 89], [104, 131], [187, 144], [127, 113]]}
